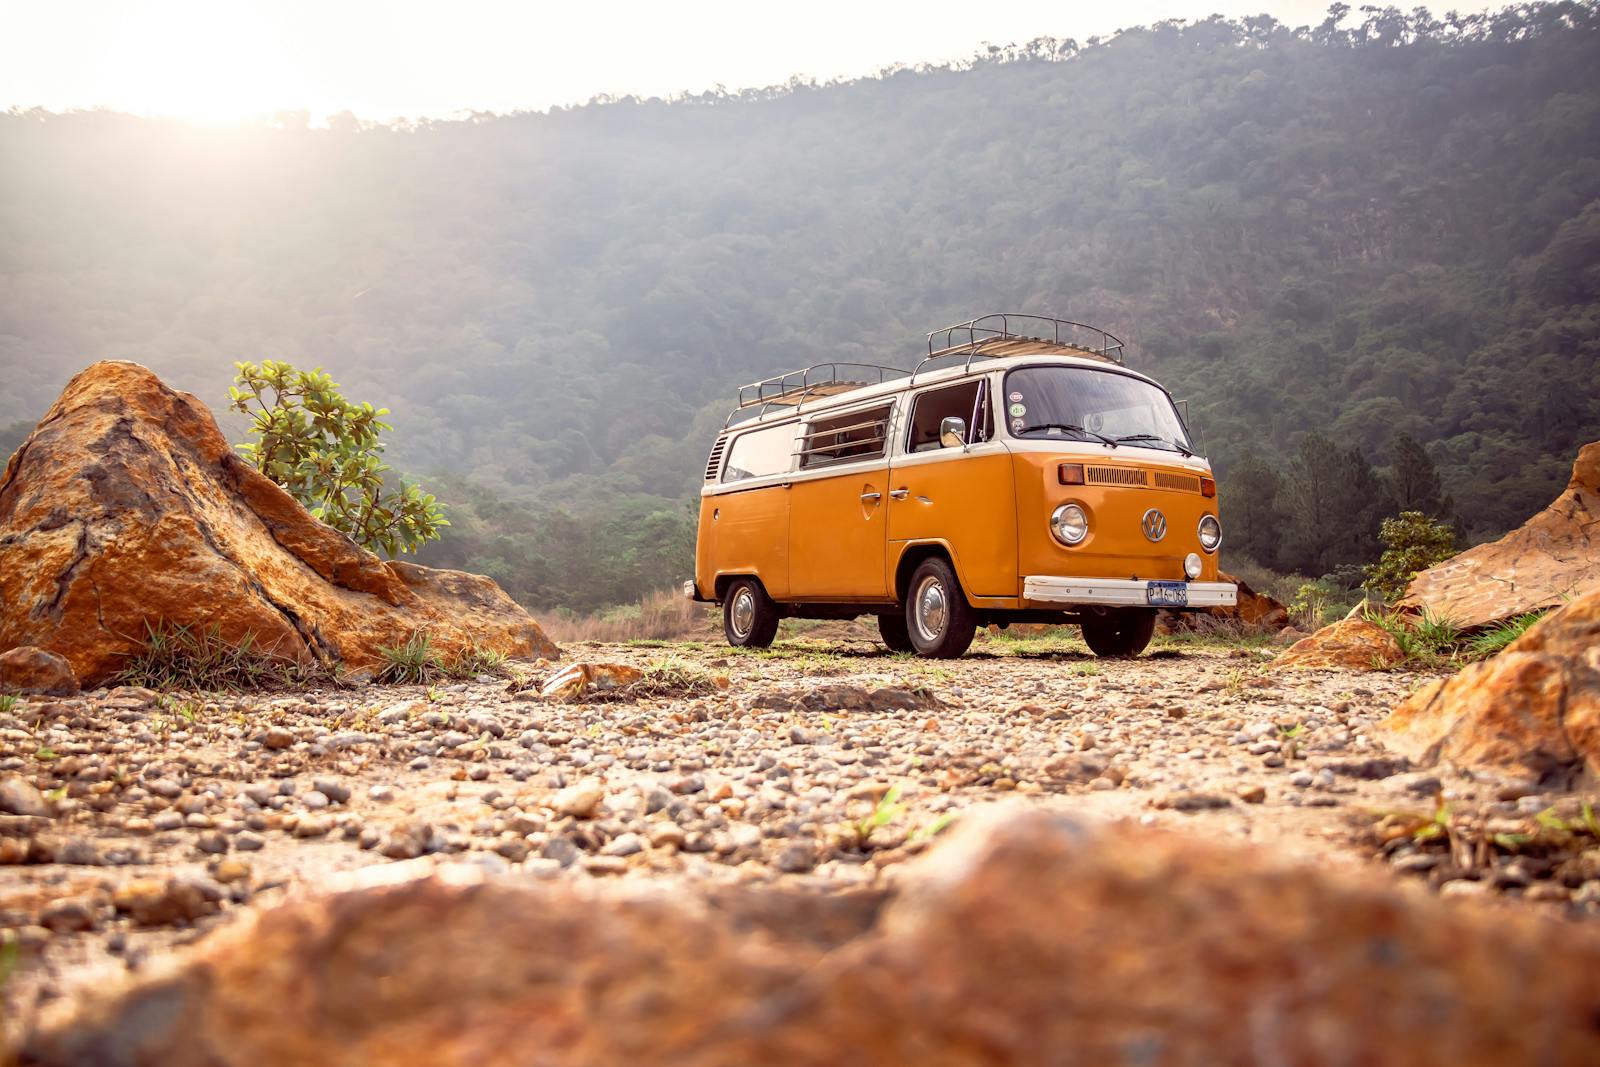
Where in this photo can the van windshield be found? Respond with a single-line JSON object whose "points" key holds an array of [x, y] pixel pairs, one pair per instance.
{"points": [[1083, 404]]}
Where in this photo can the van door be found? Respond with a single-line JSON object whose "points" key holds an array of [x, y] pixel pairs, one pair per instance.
{"points": [[749, 511], [837, 507], [963, 497]]}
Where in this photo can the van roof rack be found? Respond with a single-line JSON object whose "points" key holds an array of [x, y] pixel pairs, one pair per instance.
{"points": [[1002, 334], [807, 383]]}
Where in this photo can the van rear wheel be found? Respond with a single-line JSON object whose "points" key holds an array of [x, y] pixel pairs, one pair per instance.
{"points": [[939, 620], [1119, 633], [892, 628], [749, 617]]}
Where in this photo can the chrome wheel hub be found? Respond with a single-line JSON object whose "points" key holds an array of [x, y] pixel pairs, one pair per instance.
{"points": [[931, 609], [744, 612]]}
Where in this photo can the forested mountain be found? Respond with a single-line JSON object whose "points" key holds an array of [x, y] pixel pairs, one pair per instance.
{"points": [[1385, 224]]}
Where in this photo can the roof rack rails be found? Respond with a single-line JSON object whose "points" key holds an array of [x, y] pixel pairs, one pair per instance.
{"points": [[797, 386], [1005, 333]]}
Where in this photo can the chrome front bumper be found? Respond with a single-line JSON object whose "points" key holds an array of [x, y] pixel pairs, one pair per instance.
{"points": [[1120, 592]]}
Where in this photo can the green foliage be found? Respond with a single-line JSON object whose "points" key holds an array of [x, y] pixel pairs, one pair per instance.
{"points": [[1425, 640], [1313, 602], [1412, 543], [1491, 641], [199, 659], [325, 451], [8, 703]]}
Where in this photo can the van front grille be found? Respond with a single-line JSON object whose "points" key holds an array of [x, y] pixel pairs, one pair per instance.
{"points": [[715, 462], [1184, 482], [1113, 476]]}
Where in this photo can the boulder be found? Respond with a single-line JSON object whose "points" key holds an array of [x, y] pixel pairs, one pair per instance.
{"points": [[1532, 712], [1350, 644], [33, 670], [1550, 558], [1027, 938], [127, 509]]}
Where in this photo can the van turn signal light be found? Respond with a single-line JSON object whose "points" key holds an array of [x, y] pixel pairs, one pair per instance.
{"points": [[1072, 474], [1208, 487]]}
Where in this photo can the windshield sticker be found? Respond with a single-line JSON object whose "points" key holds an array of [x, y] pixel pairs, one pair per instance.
{"points": [[1016, 398], [1016, 425], [1095, 422], [1017, 411]]}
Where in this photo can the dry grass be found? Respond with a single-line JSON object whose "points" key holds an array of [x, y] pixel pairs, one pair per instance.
{"points": [[659, 616]]}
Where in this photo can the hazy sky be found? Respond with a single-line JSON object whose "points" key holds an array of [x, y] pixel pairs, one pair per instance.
{"points": [[225, 59]]}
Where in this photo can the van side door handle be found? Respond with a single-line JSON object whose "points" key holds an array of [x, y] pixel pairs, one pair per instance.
{"points": [[899, 494], [871, 496]]}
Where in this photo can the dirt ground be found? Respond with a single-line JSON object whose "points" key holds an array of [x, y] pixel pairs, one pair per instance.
{"points": [[823, 762]]}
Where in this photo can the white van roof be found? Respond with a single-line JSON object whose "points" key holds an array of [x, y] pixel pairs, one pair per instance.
{"points": [[996, 339]]}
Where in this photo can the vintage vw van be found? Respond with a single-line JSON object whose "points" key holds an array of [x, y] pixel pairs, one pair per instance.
{"points": [[1019, 473]]}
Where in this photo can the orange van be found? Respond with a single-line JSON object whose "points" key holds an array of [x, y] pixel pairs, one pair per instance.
{"points": [[1019, 473]]}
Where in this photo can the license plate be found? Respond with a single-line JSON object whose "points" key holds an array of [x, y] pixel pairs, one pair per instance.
{"points": [[1166, 594]]}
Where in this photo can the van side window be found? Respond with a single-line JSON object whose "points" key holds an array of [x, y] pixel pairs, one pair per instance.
{"points": [[933, 407], [858, 435], [759, 453]]}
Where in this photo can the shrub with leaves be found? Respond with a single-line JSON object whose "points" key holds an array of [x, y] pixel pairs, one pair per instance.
{"points": [[1412, 542], [326, 452]]}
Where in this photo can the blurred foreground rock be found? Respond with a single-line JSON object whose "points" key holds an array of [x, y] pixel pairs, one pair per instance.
{"points": [[1531, 712], [126, 507], [1028, 938], [1350, 644], [1553, 556]]}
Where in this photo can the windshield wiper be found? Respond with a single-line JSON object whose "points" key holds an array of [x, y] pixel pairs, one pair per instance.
{"points": [[1158, 440], [1070, 427]]}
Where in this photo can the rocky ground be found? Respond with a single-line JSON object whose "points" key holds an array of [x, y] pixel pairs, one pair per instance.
{"points": [[136, 821]]}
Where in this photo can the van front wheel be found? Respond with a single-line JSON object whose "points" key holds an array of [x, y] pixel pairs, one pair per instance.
{"points": [[1119, 633], [939, 620], [749, 617]]}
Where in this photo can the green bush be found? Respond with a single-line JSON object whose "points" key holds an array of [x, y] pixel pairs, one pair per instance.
{"points": [[1412, 542], [325, 451]]}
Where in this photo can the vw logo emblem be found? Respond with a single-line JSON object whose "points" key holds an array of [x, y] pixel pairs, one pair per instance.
{"points": [[1155, 524]]}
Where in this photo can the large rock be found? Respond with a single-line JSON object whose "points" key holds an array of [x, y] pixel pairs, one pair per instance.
{"points": [[1550, 558], [1350, 644], [1532, 712], [1030, 938], [126, 507], [33, 670]]}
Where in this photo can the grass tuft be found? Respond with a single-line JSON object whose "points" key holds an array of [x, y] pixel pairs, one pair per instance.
{"points": [[1496, 638], [199, 659], [412, 662]]}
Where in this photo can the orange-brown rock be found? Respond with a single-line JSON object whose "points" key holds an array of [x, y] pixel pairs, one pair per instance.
{"points": [[1350, 644], [1550, 558], [576, 679], [1028, 938], [127, 508], [33, 670], [1531, 712]]}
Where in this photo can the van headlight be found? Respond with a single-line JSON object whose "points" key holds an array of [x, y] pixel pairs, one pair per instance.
{"points": [[1210, 533], [1069, 524]]}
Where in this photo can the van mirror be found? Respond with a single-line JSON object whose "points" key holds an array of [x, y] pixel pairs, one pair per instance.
{"points": [[952, 432]]}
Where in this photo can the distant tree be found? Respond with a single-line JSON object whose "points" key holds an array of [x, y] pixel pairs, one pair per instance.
{"points": [[324, 450], [1334, 502], [1414, 481], [1254, 517]]}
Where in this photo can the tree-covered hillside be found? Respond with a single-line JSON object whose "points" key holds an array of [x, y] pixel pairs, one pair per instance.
{"points": [[1388, 224]]}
